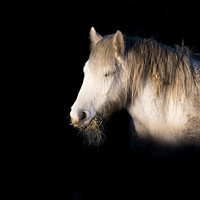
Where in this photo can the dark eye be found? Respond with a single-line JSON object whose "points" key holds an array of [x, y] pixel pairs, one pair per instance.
{"points": [[109, 74]]}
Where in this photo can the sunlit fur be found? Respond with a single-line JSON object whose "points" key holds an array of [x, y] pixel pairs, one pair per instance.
{"points": [[102, 61], [159, 85]]}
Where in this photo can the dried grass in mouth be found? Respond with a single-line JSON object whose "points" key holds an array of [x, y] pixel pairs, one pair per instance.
{"points": [[94, 131]]}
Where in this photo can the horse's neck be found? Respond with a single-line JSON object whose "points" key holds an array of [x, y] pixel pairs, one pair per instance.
{"points": [[151, 117], [144, 107]]}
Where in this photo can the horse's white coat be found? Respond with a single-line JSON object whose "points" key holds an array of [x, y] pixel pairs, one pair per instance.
{"points": [[153, 118], [92, 95]]}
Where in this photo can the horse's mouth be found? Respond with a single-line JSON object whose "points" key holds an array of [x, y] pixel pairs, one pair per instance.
{"points": [[93, 124]]}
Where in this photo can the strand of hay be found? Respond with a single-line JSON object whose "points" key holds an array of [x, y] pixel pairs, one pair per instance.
{"points": [[93, 133]]}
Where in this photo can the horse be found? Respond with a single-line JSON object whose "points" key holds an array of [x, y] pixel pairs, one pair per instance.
{"points": [[158, 85]]}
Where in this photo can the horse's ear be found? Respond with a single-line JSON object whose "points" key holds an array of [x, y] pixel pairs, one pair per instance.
{"points": [[118, 44], [94, 37]]}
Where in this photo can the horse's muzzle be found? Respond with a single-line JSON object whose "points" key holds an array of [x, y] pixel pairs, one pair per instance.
{"points": [[79, 119]]}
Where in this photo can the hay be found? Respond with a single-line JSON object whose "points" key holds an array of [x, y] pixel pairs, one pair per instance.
{"points": [[94, 132]]}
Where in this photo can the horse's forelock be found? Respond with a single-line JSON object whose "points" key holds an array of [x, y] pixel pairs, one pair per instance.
{"points": [[102, 55]]}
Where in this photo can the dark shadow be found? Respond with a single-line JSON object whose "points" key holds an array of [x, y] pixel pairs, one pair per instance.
{"points": [[119, 169]]}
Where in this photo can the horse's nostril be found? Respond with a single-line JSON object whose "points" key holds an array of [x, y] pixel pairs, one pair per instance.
{"points": [[82, 115]]}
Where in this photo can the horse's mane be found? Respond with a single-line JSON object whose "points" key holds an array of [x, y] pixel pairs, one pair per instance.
{"points": [[171, 70]]}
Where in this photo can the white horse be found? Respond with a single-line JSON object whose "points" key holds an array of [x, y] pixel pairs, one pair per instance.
{"points": [[157, 84]]}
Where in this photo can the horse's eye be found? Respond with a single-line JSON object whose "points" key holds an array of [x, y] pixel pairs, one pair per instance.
{"points": [[109, 74]]}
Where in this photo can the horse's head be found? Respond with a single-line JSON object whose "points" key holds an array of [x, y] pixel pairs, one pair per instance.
{"points": [[103, 87]]}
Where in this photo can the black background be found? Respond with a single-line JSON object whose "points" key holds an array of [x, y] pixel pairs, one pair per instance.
{"points": [[110, 171]]}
